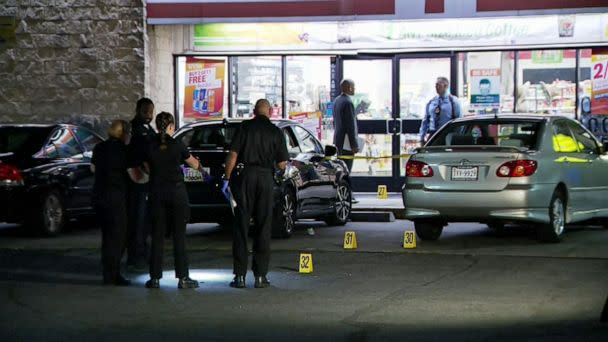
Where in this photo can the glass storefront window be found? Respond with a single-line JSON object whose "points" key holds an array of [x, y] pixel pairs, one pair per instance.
{"points": [[255, 78], [307, 94], [373, 87], [417, 84], [486, 82], [376, 145], [546, 82]]}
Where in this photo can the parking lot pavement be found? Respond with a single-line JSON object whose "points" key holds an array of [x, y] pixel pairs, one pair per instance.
{"points": [[470, 285]]}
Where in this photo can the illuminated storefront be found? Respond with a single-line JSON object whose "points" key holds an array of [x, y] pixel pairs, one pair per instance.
{"points": [[540, 64]]}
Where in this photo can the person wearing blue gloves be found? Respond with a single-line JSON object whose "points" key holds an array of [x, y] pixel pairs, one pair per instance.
{"points": [[260, 147]]}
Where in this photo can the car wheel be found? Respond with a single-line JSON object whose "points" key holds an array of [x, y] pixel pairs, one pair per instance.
{"points": [[342, 205], [428, 230], [497, 227], [284, 216], [52, 216], [553, 231]]}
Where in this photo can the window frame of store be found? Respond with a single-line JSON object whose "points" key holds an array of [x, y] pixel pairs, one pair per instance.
{"points": [[395, 125]]}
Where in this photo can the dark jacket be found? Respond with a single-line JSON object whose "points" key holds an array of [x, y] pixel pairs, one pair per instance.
{"points": [[345, 122]]}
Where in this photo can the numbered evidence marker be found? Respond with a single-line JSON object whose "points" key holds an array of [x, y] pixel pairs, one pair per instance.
{"points": [[409, 239], [306, 263], [382, 192], [350, 240]]}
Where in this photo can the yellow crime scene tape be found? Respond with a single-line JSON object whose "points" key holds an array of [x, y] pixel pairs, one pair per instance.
{"points": [[400, 156]]}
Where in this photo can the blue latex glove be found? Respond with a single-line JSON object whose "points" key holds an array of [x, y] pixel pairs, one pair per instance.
{"points": [[226, 189]]}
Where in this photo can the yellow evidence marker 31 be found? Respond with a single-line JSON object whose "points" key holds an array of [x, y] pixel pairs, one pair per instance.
{"points": [[306, 263], [350, 240]]}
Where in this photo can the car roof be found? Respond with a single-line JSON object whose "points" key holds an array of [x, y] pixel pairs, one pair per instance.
{"points": [[278, 122], [512, 116]]}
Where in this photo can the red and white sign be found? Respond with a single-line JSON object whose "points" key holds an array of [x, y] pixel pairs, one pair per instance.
{"points": [[599, 82]]}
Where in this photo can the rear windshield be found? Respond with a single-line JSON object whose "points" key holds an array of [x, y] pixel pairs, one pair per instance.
{"points": [[520, 134], [23, 140], [209, 136]]}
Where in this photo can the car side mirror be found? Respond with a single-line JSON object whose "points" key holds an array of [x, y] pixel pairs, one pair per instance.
{"points": [[330, 150]]}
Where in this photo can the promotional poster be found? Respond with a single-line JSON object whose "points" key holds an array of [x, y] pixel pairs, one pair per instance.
{"points": [[204, 89]]}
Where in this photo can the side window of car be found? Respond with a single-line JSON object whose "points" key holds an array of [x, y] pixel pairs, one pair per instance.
{"points": [[585, 141], [308, 142], [62, 144], [292, 146], [563, 141], [186, 138], [86, 138]]}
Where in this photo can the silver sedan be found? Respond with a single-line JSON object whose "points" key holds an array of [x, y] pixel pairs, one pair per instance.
{"points": [[508, 169]]}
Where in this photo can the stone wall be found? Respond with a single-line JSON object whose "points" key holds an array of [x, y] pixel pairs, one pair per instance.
{"points": [[76, 61]]}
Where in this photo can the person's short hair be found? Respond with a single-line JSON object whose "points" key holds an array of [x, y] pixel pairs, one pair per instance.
{"points": [[259, 103], [443, 79], [118, 129], [347, 82], [484, 81], [141, 106]]}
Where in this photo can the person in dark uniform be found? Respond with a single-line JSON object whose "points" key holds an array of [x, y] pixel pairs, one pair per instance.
{"points": [[109, 163], [260, 146], [139, 221], [169, 200]]}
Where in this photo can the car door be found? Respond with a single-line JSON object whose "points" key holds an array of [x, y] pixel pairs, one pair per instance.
{"points": [[594, 169], [572, 164], [83, 176], [69, 170], [316, 168]]}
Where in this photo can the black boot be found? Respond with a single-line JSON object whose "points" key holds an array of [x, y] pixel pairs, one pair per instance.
{"points": [[187, 283], [238, 282], [153, 283]]}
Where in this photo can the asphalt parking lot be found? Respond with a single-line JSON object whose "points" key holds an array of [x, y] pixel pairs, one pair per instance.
{"points": [[472, 284]]}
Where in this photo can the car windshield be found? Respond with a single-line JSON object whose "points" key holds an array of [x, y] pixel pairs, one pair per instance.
{"points": [[507, 133], [22, 140], [209, 136]]}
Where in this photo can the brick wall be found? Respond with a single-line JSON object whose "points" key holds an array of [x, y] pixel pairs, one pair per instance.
{"points": [[77, 61]]}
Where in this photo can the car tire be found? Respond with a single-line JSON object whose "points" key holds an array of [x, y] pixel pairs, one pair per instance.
{"points": [[284, 216], [553, 232], [428, 231], [343, 205], [497, 227], [52, 216]]}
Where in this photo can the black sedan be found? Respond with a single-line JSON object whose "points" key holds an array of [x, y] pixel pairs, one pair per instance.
{"points": [[314, 185], [45, 176]]}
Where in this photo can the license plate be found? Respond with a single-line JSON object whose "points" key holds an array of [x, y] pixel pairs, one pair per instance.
{"points": [[192, 175], [464, 173]]}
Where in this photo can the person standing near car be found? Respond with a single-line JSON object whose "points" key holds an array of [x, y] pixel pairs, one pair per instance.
{"points": [[439, 110], [345, 123], [109, 164], [260, 147], [139, 222], [169, 200]]}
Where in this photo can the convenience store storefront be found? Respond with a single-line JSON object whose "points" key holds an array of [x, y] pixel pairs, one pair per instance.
{"points": [[534, 64]]}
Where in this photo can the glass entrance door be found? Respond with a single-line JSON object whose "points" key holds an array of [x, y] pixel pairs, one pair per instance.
{"points": [[390, 99]]}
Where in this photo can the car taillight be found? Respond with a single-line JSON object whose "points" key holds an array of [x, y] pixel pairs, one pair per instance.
{"points": [[10, 175], [517, 168], [415, 168]]}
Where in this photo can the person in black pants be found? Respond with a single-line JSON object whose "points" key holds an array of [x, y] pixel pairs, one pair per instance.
{"points": [[109, 163], [139, 220], [169, 200], [260, 146]]}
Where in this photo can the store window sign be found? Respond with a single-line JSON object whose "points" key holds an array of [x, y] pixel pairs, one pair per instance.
{"points": [[204, 89], [599, 86], [495, 32], [485, 88], [547, 56]]}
